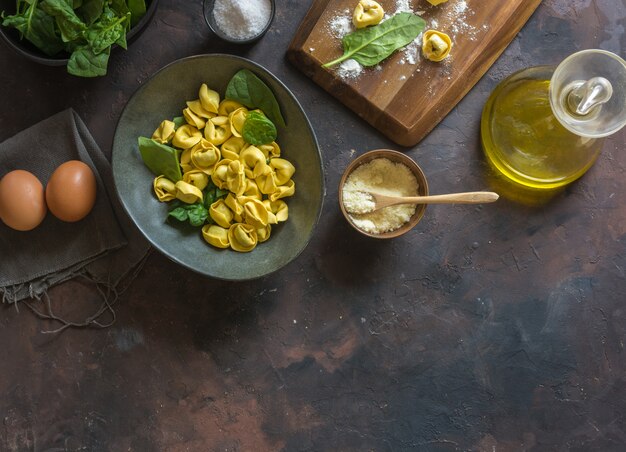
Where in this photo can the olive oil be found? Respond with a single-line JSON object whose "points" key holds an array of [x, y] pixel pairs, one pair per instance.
{"points": [[524, 141]]}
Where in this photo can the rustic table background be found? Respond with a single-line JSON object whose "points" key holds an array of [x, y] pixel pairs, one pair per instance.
{"points": [[493, 328]]}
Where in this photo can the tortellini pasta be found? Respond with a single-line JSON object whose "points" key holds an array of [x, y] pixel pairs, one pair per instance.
{"points": [[165, 132], [164, 189], [209, 99], [197, 178], [187, 192], [216, 235], [237, 119], [204, 156], [242, 237], [436, 45], [221, 214], [186, 137], [217, 130], [243, 185], [254, 161], [367, 12]]}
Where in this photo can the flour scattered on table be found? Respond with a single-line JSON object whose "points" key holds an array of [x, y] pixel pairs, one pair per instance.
{"points": [[350, 69], [411, 53], [341, 25]]}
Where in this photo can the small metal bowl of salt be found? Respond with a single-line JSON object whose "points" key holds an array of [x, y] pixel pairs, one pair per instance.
{"points": [[239, 21], [389, 173]]}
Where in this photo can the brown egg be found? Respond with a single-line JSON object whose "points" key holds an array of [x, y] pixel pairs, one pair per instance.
{"points": [[22, 202], [71, 191]]}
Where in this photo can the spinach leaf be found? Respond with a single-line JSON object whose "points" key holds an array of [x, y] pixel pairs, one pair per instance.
{"points": [[179, 121], [121, 8], [195, 213], [137, 10], [69, 23], [161, 159], [85, 63], [85, 29], [36, 26], [369, 46], [90, 10], [257, 129], [211, 194], [249, 90], [106, 31]]}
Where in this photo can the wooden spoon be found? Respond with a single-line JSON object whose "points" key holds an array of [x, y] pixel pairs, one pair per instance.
{"points": [[472, 197]]}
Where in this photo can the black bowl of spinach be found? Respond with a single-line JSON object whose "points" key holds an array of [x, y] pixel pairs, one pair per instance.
{"points": [[78, 34]]}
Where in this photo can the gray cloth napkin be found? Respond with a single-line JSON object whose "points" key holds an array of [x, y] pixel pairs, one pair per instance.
{"points": [[104, 246]]}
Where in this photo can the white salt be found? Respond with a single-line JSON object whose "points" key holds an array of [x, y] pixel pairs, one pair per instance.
{"points": [[242, 19]]}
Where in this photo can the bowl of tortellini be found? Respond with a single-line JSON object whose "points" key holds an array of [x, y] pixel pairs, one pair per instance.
{"points": [[217, 164]]}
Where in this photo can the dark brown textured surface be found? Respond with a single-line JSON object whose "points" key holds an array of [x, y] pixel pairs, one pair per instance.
{"points": [[499, 327]]}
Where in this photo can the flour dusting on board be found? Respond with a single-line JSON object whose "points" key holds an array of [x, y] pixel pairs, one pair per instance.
{"points": [[451, 18]]}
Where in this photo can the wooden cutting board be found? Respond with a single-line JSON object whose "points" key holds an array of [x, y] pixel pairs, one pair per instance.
{"points": [[406, 95]]}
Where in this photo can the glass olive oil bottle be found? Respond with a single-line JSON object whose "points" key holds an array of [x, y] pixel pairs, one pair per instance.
{"points": [[543, 127]]}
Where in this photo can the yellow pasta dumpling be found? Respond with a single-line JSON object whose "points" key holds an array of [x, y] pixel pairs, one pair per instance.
{"points": [[227, 106], [198, 109], [221, 214], [164, 189], [193, 119], [263, 234], [283, 169], [236, 120], [204, 156], [209, 99], [252, 189], [235, 206], [242, 237], [254, 161], [436, 45], [255, 213], [279, 208], [188, 193], [236, 177], [197, 178], [217, 130], [215, 235], [267, 181], [231, 149], [185, 161], [367, 12], [165, 132], [283, 191], [186, 136], [220, 172], [270, 150]]}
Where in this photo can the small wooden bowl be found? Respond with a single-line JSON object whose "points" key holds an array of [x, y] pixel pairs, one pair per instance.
{"points": [[396, 157]]}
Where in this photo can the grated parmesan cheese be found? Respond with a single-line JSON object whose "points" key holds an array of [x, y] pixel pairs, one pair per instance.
{"points": [[382, 176]]}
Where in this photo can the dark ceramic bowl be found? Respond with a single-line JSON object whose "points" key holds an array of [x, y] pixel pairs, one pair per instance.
{"points": [[23, 47], [164, 96], [209, 17], [396, 157]]}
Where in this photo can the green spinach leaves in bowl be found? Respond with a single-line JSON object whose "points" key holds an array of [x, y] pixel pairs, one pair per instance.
{"points": [[77, 33]]}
